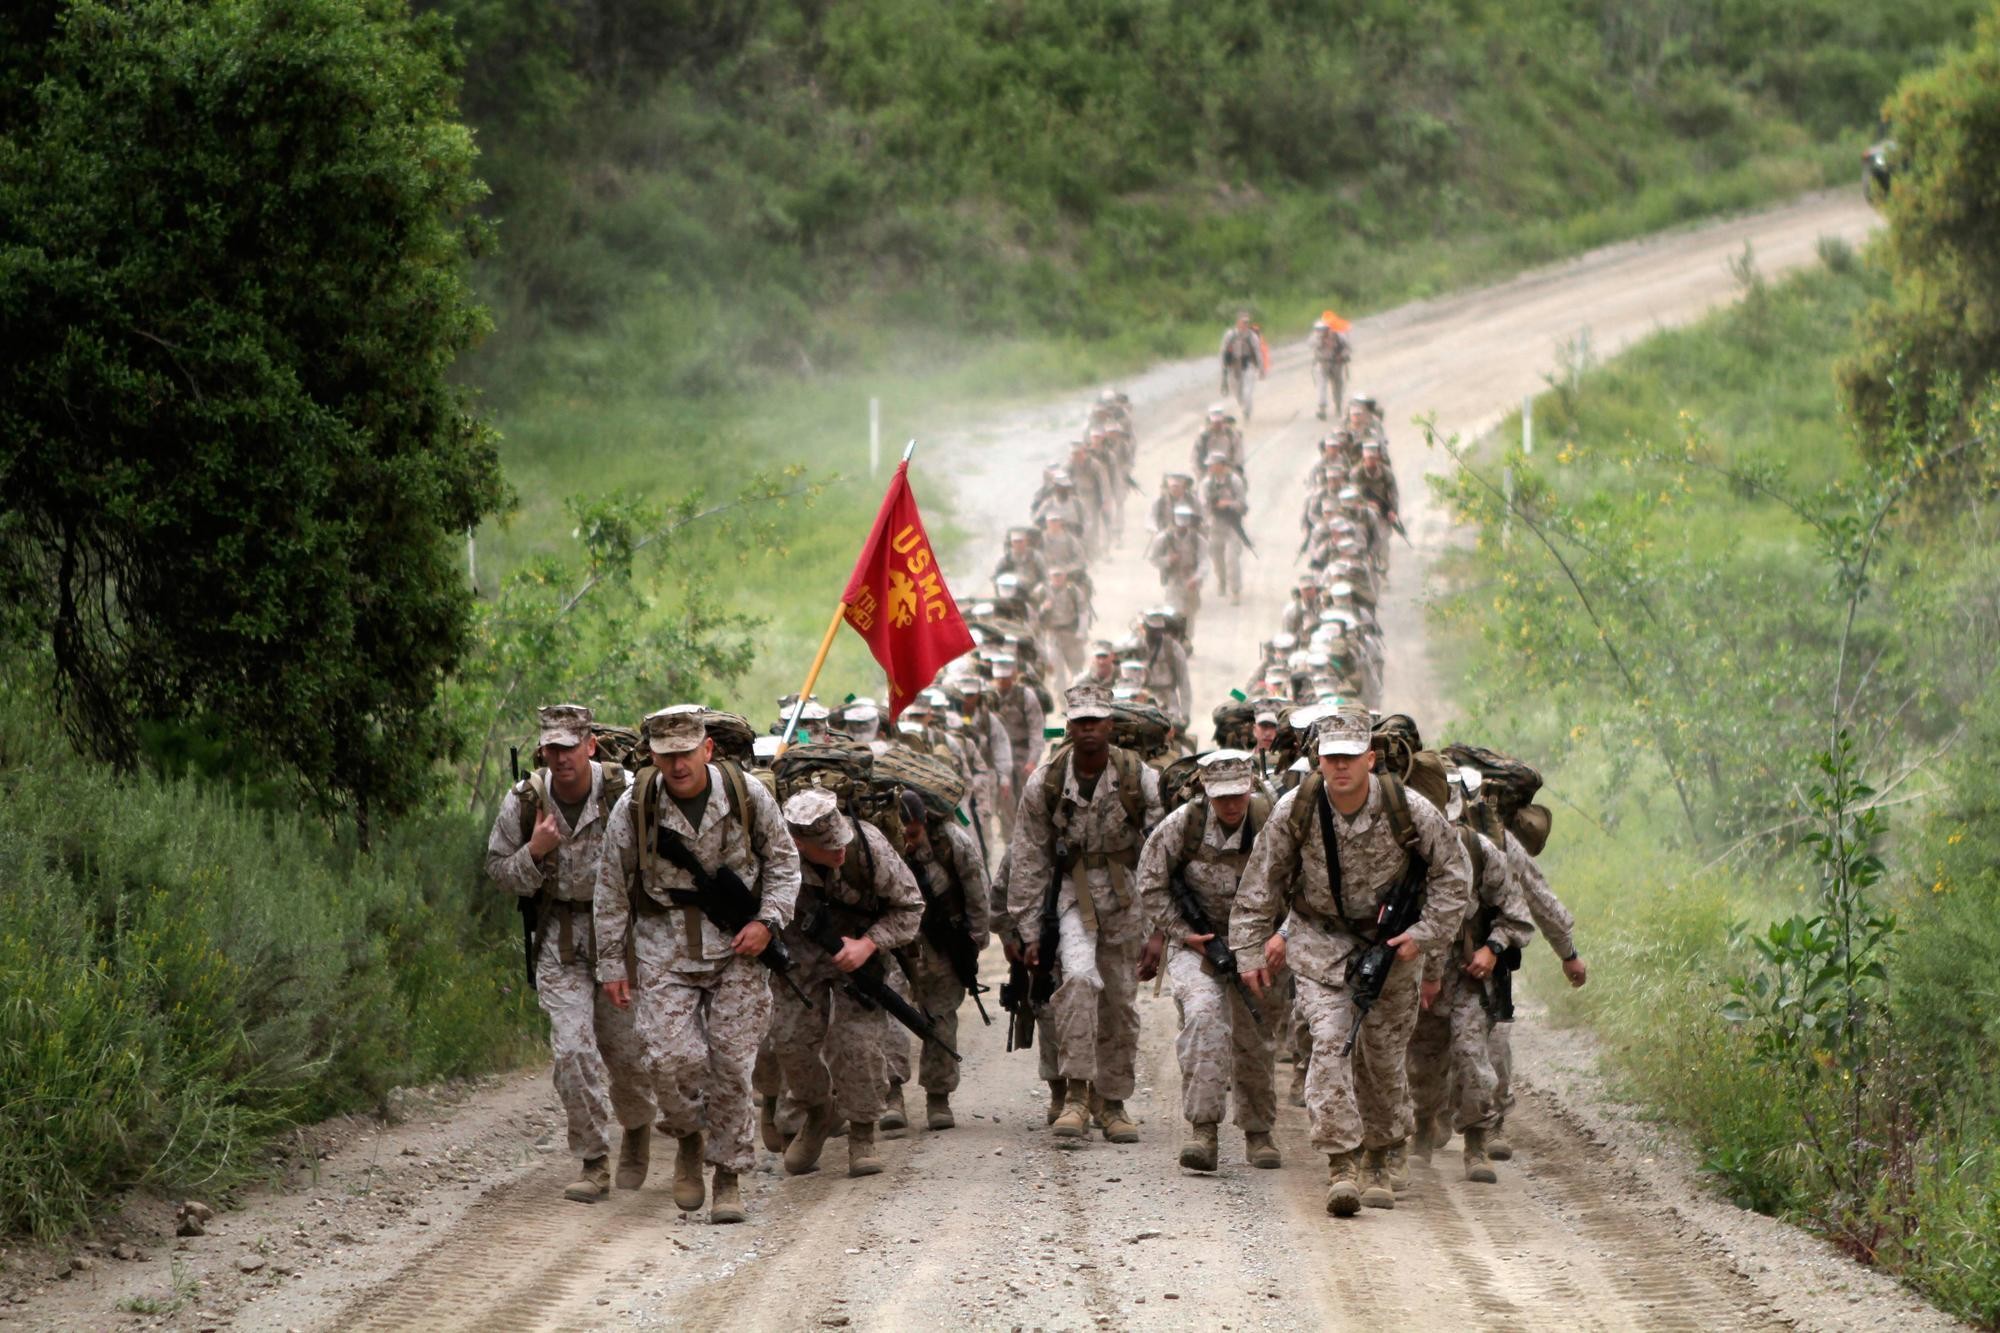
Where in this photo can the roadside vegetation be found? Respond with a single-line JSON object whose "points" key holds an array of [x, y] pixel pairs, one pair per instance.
{"points": [[606, 286], [1751, 627]]}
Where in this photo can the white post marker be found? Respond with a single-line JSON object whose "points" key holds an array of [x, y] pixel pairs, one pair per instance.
{"points": [[1528, 424], [874, 436], [471, 561]]}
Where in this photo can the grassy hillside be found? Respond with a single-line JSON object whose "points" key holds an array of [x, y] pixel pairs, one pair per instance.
{"points": [[721, 231], [1723, 606]]}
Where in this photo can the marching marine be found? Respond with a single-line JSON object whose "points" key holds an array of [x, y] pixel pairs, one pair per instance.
{"points": [[544, 846], [700, 1000], [857, 904], [1200, 850], [1084, 815], [1326, 864], [952, 881]]}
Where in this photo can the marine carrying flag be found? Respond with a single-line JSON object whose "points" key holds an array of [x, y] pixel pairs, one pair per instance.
{"points": [[897, 599]]}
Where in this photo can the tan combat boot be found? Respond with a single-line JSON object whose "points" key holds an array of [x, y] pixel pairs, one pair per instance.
{"points": [[635, 1156], [1396, 1166], [724, 1203], [1343, 1185], [1477, 1167], [1198, 1150], [1375, 1190], [687, 1173], [1497, 1146], [767, 1125], [1421, 1145], [593, 1183], [937, 1111], [802, 1153], [1074, 1120], [861, 1158], [896, 1118], [1058, 1094], [1260, 1150], [1118, 1126], [1297, 1095], [1096, 1109]]}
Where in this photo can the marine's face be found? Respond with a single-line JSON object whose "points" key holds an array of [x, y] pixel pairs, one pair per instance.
{"points": [[686, 771]]}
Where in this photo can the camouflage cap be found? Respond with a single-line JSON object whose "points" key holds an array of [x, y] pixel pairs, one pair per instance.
{"points": [[564, 725], [1102, 648], [1346, 732], [1086, 701], [1003, 664], [1265, 716], [1227, 773], [1216, 458], [814, 816], [674, 730]]}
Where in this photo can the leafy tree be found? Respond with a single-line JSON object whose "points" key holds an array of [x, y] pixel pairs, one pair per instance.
{"points": [[1942, 321], [233, 243]]}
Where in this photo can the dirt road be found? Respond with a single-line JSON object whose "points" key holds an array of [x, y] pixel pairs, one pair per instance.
{"points": [[453, 1220]]}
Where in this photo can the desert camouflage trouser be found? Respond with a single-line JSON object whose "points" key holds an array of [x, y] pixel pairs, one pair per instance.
{"points": [[1362, 1101], [938, 994], [1500, 1047], [600, 1065], [1220, 1048], [1451, 1071], [1095, 1011], [833, 1054], [1225, 555], [701, 1031]]}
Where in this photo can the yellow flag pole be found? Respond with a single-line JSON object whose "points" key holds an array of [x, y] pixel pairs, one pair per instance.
{"points": [[812, 678]]}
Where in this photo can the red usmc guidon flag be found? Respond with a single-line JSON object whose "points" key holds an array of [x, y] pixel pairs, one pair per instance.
{"points": [[897, 599]]}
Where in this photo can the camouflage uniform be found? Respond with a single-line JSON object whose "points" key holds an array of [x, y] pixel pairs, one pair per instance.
{"points": [[1065, 617], [699, 1009], [1225, 548], [1167, 672], [952, 865], [1181, 555], [1019, 711], [1363, 1102], [1554, 921], [1220, 1045], [1028, 568], [1063, 549], [1242, 363], [600, 1064], [835, 1052], [1449, 1045], [1095, 1008]]}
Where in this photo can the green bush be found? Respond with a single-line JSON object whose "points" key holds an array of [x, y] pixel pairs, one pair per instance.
{"points": [[184, 977]]}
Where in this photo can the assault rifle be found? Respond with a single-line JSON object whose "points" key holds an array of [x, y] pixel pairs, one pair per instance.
{"points": [[1188, 903], [530, 911], [1368, 971], [723, 897], [1051, 940], [1234, 521], [869, 983], [951, 935], [1017, 998]]}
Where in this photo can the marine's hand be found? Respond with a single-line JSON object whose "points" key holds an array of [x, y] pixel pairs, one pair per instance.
{"points": [[1481, 965], [1576, 971], [752, 940], [1258, 979], [1274, 954], [1405, 947], [1149, 956], [1429, 994], [619, 993], [546, 837], [853, 953]]}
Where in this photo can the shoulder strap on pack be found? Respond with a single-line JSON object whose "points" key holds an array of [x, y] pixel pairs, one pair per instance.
{"points": [[1396, 804], [1308, 791], [1131, 792], [739, 798], [614, 779], [1054, 773], [1474, 850], [535, 787]]}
